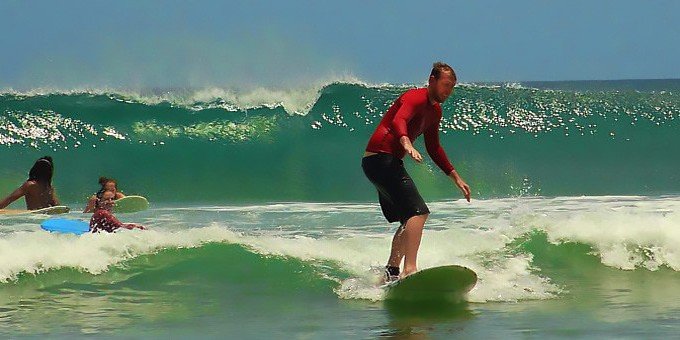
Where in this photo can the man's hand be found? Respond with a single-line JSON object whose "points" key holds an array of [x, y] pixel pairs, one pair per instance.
{"points": [[410, 150], [460, 183], [414, 154]]}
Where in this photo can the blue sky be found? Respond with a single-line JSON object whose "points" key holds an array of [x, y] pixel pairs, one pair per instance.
{"points": [[283, 43]]}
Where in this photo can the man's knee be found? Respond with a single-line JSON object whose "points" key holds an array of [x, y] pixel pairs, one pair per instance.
{"points": [[420, 218]]}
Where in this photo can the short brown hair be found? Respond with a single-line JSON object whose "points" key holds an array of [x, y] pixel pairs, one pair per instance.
{"points": [[439, 67]]}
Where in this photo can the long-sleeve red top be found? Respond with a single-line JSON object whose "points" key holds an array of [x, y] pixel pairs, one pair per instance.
{"points": [[411, 115]]}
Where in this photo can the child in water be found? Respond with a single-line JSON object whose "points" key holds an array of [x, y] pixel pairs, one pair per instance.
{"points": [[103, 219], [107, 184]]}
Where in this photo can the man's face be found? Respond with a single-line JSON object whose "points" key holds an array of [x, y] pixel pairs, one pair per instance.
{"points": [[442, 88]]}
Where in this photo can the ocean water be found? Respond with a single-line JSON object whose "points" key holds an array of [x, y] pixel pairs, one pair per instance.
{"points": [[262, 224]]}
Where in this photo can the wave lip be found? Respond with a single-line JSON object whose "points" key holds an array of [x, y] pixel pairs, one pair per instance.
{"points": [[27, 252], [297, 100], [636, 234]]}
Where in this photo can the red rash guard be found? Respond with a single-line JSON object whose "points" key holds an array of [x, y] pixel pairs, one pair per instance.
{"points": [[104, 220], [411, 115]]}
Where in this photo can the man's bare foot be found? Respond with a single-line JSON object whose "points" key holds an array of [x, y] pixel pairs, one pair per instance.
{"points": [[407, 272]]}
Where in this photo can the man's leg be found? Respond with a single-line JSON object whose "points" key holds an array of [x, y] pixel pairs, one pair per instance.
{"points": [[406, 242], [413, 232], [397, 252]]}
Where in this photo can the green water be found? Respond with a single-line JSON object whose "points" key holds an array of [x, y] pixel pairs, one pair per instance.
{"points": [[262, 225], [505, 141]]}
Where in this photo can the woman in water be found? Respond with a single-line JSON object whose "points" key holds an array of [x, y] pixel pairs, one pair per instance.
{"points": [[37, 190], [107, 184], [103, 219]]}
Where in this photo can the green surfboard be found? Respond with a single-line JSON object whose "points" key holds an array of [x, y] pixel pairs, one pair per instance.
{"points": [[55, 210], [130, 204], [446, 283]]}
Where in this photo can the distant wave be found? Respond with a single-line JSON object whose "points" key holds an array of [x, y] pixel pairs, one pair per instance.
{"points": [[507, 139]]}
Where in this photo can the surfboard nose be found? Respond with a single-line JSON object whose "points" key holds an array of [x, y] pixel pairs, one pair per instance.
{"points": [[446, 283]]}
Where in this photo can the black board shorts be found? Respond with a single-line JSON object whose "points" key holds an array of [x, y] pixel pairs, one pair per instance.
{"points": [[398, 195]]}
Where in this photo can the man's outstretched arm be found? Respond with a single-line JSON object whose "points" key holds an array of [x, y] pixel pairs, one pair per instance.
{"points": [[438, 155]]}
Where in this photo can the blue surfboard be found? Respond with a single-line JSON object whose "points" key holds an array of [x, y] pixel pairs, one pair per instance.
{"points": [[63, 225]]}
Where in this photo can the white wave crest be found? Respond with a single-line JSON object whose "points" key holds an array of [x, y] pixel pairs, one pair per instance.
{"points": [[298, 100]]}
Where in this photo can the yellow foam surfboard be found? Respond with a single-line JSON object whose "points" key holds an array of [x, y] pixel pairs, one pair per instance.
{"points": [[129, 204], [57, 209]]}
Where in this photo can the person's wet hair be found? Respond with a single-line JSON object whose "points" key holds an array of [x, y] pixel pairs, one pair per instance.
{"points": [[42, 171]]}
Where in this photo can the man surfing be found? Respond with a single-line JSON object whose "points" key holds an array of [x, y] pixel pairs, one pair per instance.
{"points": [[416, 112]]}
